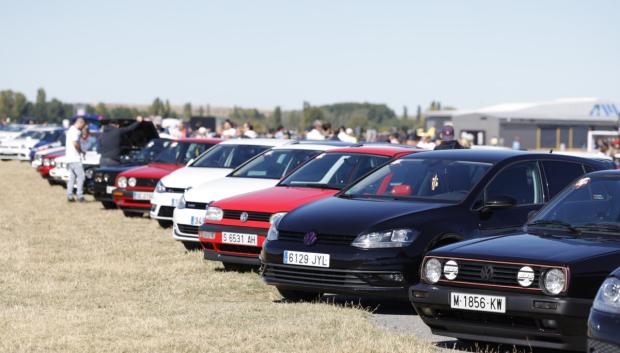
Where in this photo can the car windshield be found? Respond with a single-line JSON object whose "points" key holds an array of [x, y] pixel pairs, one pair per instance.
{"points": [[421, 179], [150, 151], [181, 152], [588, 205], [334, 170], [228, 156], [274, 164]]}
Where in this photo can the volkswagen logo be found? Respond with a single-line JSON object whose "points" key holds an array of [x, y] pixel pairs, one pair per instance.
{"points": [[243, 217], [486, 273], [310, 238]]}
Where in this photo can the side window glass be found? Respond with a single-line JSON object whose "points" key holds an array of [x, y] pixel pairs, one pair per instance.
{"points": [[521, 181], [559, 174]]}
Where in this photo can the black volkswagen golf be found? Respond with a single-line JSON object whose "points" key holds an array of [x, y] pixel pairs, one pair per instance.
{"points": [[534, 287], [370, 238], [604, 321]]}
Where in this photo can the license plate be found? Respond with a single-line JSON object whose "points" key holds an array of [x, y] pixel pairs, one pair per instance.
{"points": [[197, 220], [142, 195], [239, 238], [476, 302], [305, 258], [109, 189]]}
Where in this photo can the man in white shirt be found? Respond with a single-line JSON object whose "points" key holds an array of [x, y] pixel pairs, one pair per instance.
{"points": [[228, 132], [317, 132], [73, 157]]}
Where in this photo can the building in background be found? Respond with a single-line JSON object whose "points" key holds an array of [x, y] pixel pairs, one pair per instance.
{"points": [[557, 124]]}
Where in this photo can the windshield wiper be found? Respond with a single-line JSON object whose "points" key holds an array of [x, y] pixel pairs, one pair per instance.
{"points": [[554, 223], [605, 227]]}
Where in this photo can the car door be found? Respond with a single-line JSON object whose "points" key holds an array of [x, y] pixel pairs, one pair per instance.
{"points": [[521, 182]]}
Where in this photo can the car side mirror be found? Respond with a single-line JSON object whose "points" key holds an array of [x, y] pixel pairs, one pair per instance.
{"points": [[498, 202]]}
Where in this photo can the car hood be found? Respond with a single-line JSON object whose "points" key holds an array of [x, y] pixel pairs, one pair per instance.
{"points": [[336, 215], [526, 247], [118, 168], [192, 176], [226, 187], [275, 199], [153, 170]]}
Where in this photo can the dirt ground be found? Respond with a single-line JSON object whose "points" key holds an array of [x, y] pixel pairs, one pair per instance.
{"points": [[77, 278]]}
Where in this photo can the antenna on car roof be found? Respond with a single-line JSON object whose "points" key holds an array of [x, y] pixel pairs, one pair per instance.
{"points": [[551, 151]]}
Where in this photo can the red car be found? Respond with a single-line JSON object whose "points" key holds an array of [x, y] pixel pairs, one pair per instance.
{"points": [[47, 164], [235, 228], [134, 187]]}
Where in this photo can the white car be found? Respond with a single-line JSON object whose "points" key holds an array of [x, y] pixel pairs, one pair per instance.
{"points": [[262, 172], [19, 147], [38, 156], [60, 173], [215, 163], [12, 131]]}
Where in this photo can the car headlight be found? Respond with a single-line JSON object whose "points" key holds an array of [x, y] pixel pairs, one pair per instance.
{"points": [[608, 296], [450, 270], [386, 239], [131, 181], [121, 182], [214, 213], [276, 216], [98, 177], [160, 187], [275, 220], [554, 281], [88, 173], [181, 203], [53, 163], [106, 177], [432, 271], [46, 162]]}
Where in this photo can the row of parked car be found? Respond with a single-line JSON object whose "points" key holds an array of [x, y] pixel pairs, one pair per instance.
{"points": [[488, 245]]}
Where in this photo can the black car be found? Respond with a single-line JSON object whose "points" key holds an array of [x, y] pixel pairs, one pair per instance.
{"points": [[533, 287], [370, 238], [103, 178], [604, 321]]}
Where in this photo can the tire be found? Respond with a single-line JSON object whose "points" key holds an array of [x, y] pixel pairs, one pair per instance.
{"points": [[132, 214], [108, 205], [298, 296], [192, 246], [51, 182], [164, 223], [232, 267]]}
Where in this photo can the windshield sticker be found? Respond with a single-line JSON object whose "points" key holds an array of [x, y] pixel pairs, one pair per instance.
{"points": [[598, 197], [435, 182], [582, 182]]}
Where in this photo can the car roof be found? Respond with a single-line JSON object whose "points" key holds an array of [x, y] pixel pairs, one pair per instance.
{"points": [[256, 142], [306, 146], [495, 156], [199, 140], [382, 149]]}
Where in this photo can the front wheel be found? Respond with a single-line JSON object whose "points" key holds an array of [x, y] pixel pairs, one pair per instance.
{"points": [[164, 223], [192, 246], [298, 295], [108, 205]]}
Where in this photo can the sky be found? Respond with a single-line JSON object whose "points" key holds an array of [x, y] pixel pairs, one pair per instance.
{"points": [[466, 54]]}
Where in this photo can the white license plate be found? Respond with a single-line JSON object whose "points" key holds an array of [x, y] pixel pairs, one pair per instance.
{"points": [[239, 238], [476, 302], [197, 220], [109, 189], [137, 195], [305, 258]]}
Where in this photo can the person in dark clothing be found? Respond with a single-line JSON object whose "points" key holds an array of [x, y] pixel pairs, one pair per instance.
{"points": [[447, 140], [110, 142]]}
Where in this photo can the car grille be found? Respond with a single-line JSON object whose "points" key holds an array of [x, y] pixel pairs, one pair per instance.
{"points": [[331, 239], [175, 190], [252, 216], [502, 274], [187, 229], [311, 276], [253, 250], [165, 211], [486, 318], [196, 205], [146, 182]]}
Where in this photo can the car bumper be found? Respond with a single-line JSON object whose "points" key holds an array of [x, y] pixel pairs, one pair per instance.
{"points": [[560, 327], [15, 154], [163, 205], [233, 253], [378, 272], [103, 192], [186, 223], [603, 332], [236, 259], [124, 199]]}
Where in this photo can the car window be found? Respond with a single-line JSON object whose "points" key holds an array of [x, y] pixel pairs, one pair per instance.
{"points": [[228, 156], [334, 170], [559, 174], [274, 164], [521, 181]]}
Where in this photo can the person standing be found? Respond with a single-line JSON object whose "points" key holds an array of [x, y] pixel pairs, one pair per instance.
{"points": [[110, 142], [317, 132], [73, 158], [447, 140]]}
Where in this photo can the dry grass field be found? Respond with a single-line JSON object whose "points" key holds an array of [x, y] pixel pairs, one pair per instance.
{"points": [[76, 278]]}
